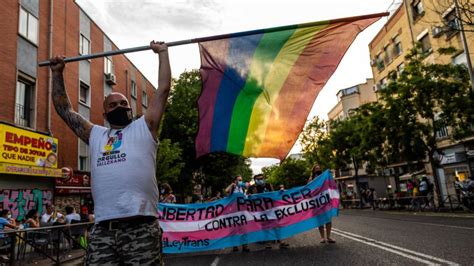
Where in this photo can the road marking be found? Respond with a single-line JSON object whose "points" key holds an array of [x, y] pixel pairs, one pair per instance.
{"points": [[215, 262], [385, 246], [443, 225]]}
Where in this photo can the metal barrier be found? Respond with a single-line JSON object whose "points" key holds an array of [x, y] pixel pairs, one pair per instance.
{"points": [[51, 242], [420, 203]]}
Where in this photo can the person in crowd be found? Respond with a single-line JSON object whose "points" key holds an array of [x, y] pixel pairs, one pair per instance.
{"points": [[237, 186], [71, 215], [166, 194], [32, 219], [261, 186], [51, 216], [325, 234], [123, 156], [217, 196], [415, 202], [372, 197], [6, 221]]}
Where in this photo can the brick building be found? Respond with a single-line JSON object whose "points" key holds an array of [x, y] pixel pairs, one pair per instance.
{"points": [[33, 31]]}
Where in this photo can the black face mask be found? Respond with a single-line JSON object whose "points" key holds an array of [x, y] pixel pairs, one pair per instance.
{"points": [[318, 173], [120, 116]]}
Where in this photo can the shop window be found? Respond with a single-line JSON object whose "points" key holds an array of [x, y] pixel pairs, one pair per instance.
{"points": [[28, 26], [417, 9], [425, 44], [24, 102], [84, 93], [83, 156], [84, 45]]}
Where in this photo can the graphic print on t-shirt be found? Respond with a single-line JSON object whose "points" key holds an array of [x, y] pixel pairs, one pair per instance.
{"points": [[111, 153]]}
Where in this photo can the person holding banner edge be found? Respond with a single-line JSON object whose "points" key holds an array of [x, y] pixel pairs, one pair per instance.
{"points": [[123, 160], [325, 237], [237, 186]]}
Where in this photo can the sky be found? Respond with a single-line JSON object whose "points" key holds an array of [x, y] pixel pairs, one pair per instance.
{"points": [[130, 23]]}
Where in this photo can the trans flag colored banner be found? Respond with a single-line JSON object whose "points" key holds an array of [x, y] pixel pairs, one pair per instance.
{"points": [[240, 219]]}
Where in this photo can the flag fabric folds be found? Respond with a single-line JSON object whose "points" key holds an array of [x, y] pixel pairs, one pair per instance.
{"points": [[258, 89]]}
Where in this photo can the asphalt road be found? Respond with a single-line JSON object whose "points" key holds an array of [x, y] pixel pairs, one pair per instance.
{"points": [[364, 237]]}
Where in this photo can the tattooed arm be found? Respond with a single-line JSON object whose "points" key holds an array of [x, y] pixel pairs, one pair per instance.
{"points": [[81, 126], [158, 101]]}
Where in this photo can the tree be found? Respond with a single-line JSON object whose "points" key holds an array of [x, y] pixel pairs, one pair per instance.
{"points": [[168, 162], [425, 98], [452, 19], [316, 145], [290, 173]]}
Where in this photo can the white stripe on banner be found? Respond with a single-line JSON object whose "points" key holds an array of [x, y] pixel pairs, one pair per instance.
{"points": [[173, 226]]}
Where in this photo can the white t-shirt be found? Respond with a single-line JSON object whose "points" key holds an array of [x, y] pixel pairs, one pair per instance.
{"points": [[123, 164], [72, 216], [45, 218]]}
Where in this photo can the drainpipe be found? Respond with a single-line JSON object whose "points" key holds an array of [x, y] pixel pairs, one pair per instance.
{"points": [[466, 48], [50, 77], [409, 22]]}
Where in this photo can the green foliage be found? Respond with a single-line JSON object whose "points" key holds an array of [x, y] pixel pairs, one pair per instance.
{"points": [[316, 144], [290, 173], [168, 162]]}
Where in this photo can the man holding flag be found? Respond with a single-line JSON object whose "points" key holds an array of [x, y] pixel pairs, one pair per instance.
{"points": [[123, 163]]}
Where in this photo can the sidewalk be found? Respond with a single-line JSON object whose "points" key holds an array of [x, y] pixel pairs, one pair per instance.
{"points": [[430, 213]]}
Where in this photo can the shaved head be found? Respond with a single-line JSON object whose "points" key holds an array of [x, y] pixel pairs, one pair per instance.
{"points": [[113, 100]]}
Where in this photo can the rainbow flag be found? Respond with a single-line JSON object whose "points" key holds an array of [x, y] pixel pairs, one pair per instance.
{"points": [[259, 86]]}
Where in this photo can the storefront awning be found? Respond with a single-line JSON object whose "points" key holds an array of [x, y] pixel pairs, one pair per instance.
{"points": [[72, 190], [410, 175]]}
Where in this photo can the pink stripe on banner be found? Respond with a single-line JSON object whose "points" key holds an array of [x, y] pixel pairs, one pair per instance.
{"points": [[211, 79], [251, 226], [232, 208]]}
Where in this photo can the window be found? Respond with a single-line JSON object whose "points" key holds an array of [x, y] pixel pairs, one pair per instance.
{"points": [[379, 62], [133, 89], [383, 83], [425, 44], [84, 45], [417, 9], [440, 127], [397, 45], [144, 99], [460, 59], [452, 23], [400, 68], [24, 103], [108, 65], [83, 156], [84, 93], [387, 56], [28, 26]]}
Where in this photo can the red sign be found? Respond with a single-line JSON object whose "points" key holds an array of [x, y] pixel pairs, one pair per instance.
{"points": [[74, 180]]}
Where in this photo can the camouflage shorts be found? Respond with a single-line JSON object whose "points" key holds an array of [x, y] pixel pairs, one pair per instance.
{"points": [[137, 245]]}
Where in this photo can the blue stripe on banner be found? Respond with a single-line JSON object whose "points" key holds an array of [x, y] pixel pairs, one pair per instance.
{"points": [[239, 59], [263, 235]]}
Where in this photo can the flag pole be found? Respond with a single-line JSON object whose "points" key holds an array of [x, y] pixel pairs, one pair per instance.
{"points": [[215, 37]]}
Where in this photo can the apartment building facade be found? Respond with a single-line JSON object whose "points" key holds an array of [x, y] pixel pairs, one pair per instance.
{"points": [[35, 143], [350, 99], [433, 24]]}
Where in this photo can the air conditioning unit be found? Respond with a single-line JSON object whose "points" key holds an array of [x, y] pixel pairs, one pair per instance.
{"points": [[437, 32], [110, 79], [378, 87], [373, 62]]}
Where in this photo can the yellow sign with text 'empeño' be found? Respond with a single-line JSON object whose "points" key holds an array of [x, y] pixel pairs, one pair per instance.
{"points": [[21, 146]]}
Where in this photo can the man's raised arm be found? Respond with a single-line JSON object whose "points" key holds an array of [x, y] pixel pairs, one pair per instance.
{"points": [[81, 126], [158, 102]]}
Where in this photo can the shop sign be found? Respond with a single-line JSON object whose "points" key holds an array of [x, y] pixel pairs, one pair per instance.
{"points": [[75, 180], [18, 169], [470, 153], [72, 190], [19, 146], [454, 157]]}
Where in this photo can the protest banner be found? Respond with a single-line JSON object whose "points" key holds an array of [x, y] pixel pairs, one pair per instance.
{"points": [[240, 219]]}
